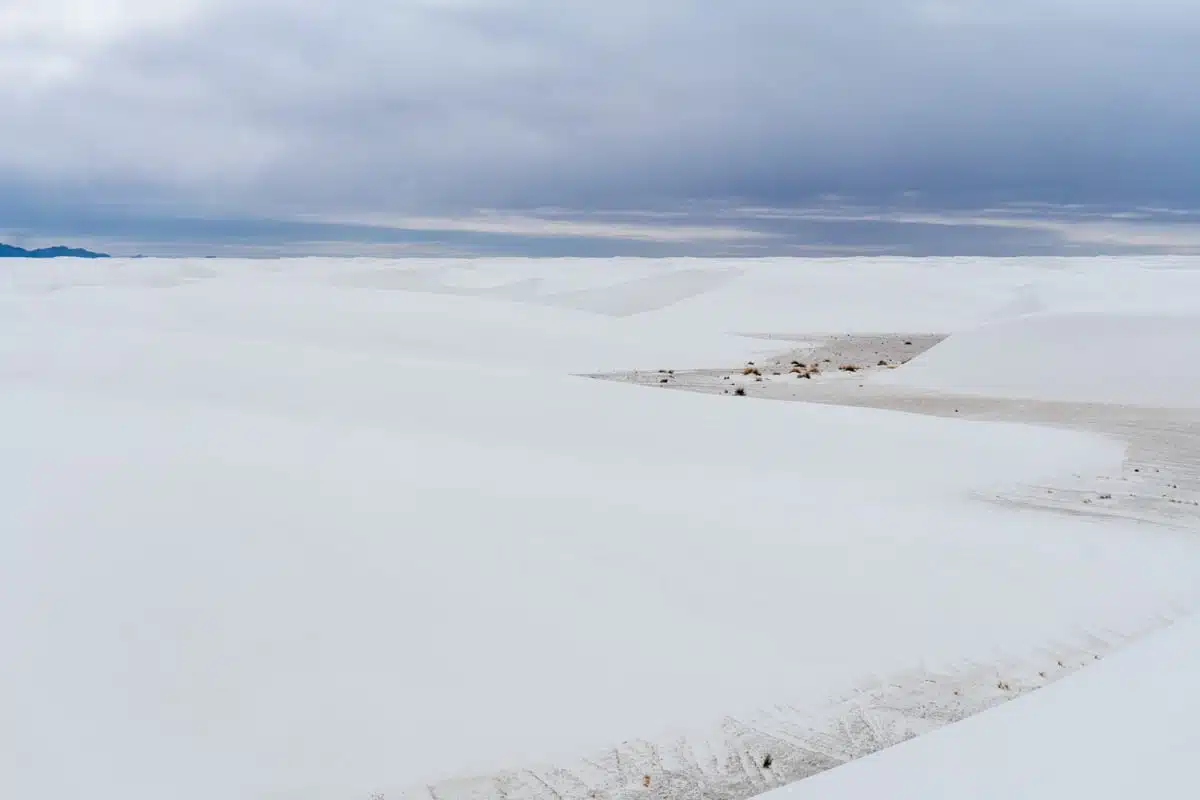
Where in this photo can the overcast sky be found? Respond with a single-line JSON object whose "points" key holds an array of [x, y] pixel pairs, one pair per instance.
{"points": [[378, 111]]}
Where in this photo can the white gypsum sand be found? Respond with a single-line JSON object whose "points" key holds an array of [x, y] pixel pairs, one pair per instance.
{"points": [[1121, 728], [324, 529]]}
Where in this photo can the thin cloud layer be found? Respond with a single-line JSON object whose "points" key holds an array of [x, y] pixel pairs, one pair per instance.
{"points": [[274, 108]]}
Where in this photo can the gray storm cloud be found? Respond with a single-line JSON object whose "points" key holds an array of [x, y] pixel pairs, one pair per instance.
{"points": [[259, 106]]}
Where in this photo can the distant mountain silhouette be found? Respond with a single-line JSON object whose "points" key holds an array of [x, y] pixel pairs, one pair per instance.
{"points": [[10, 251]]}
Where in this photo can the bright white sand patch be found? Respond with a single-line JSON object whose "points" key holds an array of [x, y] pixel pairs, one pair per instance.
{"points": [[1150, 360]]}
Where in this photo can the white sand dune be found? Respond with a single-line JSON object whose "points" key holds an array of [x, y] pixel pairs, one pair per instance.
{"points": [[271, 530], [1146, 359]]}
